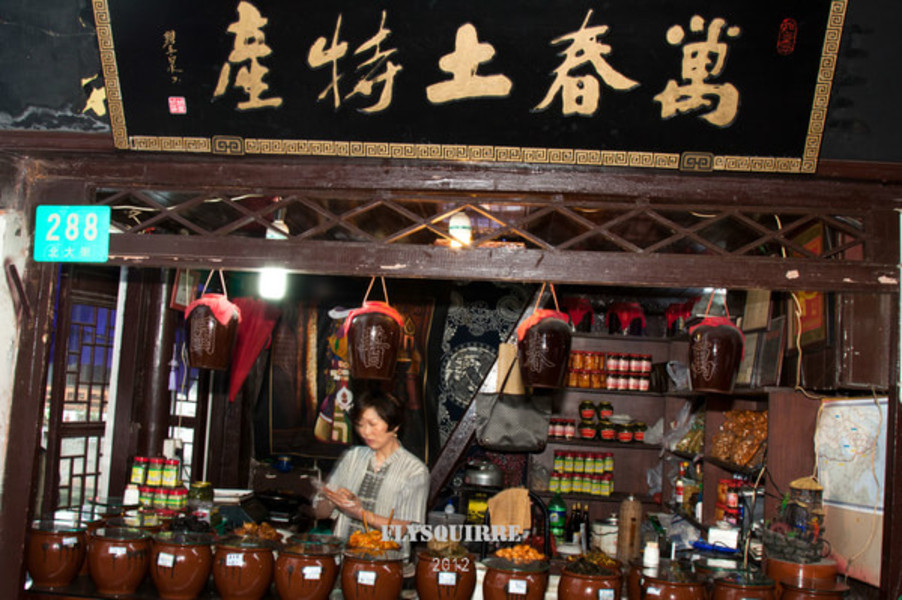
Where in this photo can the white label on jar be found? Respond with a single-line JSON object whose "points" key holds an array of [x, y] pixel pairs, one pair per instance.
{"points": [[313, 572], [366, 577], [445, 578], [118, 550], [165, 559], [516, 586], [605, 594], [70, 541], [653, 591], [235, 560]]}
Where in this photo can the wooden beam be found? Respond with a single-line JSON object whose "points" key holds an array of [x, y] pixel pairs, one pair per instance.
{"points": [[452, 453], [23, 445], [501, 264]]}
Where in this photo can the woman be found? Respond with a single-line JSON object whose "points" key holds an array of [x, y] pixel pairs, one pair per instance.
{"points": [[379, 480]]}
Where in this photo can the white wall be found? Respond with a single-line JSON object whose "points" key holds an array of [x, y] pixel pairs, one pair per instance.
{"points": [[14, 239]]}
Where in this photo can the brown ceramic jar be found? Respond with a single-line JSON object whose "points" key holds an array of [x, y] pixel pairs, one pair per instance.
{"points": [[670, 580], [210, 342], [813, 589], [445, 578], [712, 569], [243, 568], [367, 575], [579, 586], [824, 571], [307, 567], [544, 352], [715, 351], [54, 553], [505, 580], [374, 339], [118, 559], [180, 564], [742, 586]]}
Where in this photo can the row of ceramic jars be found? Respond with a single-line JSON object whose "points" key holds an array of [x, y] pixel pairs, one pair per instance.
{"points": [[180, 564]]}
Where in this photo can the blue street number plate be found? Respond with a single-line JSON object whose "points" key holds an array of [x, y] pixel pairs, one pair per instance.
{"points": [[72, 234]]}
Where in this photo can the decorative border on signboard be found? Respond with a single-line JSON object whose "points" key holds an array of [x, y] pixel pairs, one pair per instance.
{"points": [[687, 161], [821, 101]]}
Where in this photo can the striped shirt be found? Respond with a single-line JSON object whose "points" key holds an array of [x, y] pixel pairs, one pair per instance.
{"points": [[402, 484]]}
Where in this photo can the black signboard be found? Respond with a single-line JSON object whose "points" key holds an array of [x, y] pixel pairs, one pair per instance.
{"points": [[692, 85]]}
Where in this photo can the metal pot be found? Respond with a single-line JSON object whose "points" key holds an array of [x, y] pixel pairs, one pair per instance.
{"points": [[483, 473]]}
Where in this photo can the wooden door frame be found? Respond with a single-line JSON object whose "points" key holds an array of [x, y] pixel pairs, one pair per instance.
{"points": [[86, 162]]}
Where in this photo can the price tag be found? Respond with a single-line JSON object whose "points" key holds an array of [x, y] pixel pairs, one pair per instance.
{"points": [[516, 586], [164, 559], [70, 541], [72, 234], [445, 578], [234, 560], [313, 572], [118, 550], [366, 577], [605, 594]]}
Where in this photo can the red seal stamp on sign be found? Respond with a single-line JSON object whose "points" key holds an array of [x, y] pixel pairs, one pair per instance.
{"points": [[786, 38], [177, 105]]}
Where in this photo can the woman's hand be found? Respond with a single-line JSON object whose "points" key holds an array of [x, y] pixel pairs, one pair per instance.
{"points": [[346, 501]]}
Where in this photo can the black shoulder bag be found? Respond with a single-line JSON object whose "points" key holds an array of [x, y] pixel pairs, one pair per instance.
{"points": [[512, 422]]}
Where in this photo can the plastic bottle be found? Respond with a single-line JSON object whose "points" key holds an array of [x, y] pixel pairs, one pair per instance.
{"points": [[651, 556], [557, 517]]}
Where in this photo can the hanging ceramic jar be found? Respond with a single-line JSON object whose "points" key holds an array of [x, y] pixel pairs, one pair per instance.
{"points": [[374, 338], [544, 349], [716, 347], [212, 326], [543, 343]]}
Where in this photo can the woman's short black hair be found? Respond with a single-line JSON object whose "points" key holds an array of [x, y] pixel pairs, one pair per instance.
{"points": [[386, 406]]}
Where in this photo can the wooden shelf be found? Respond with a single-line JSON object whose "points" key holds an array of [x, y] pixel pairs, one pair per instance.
{"points": [[687, 517], [629, 338], [605, 392], [615, 497], [734, 468], [604, 444], [687, 455]]}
